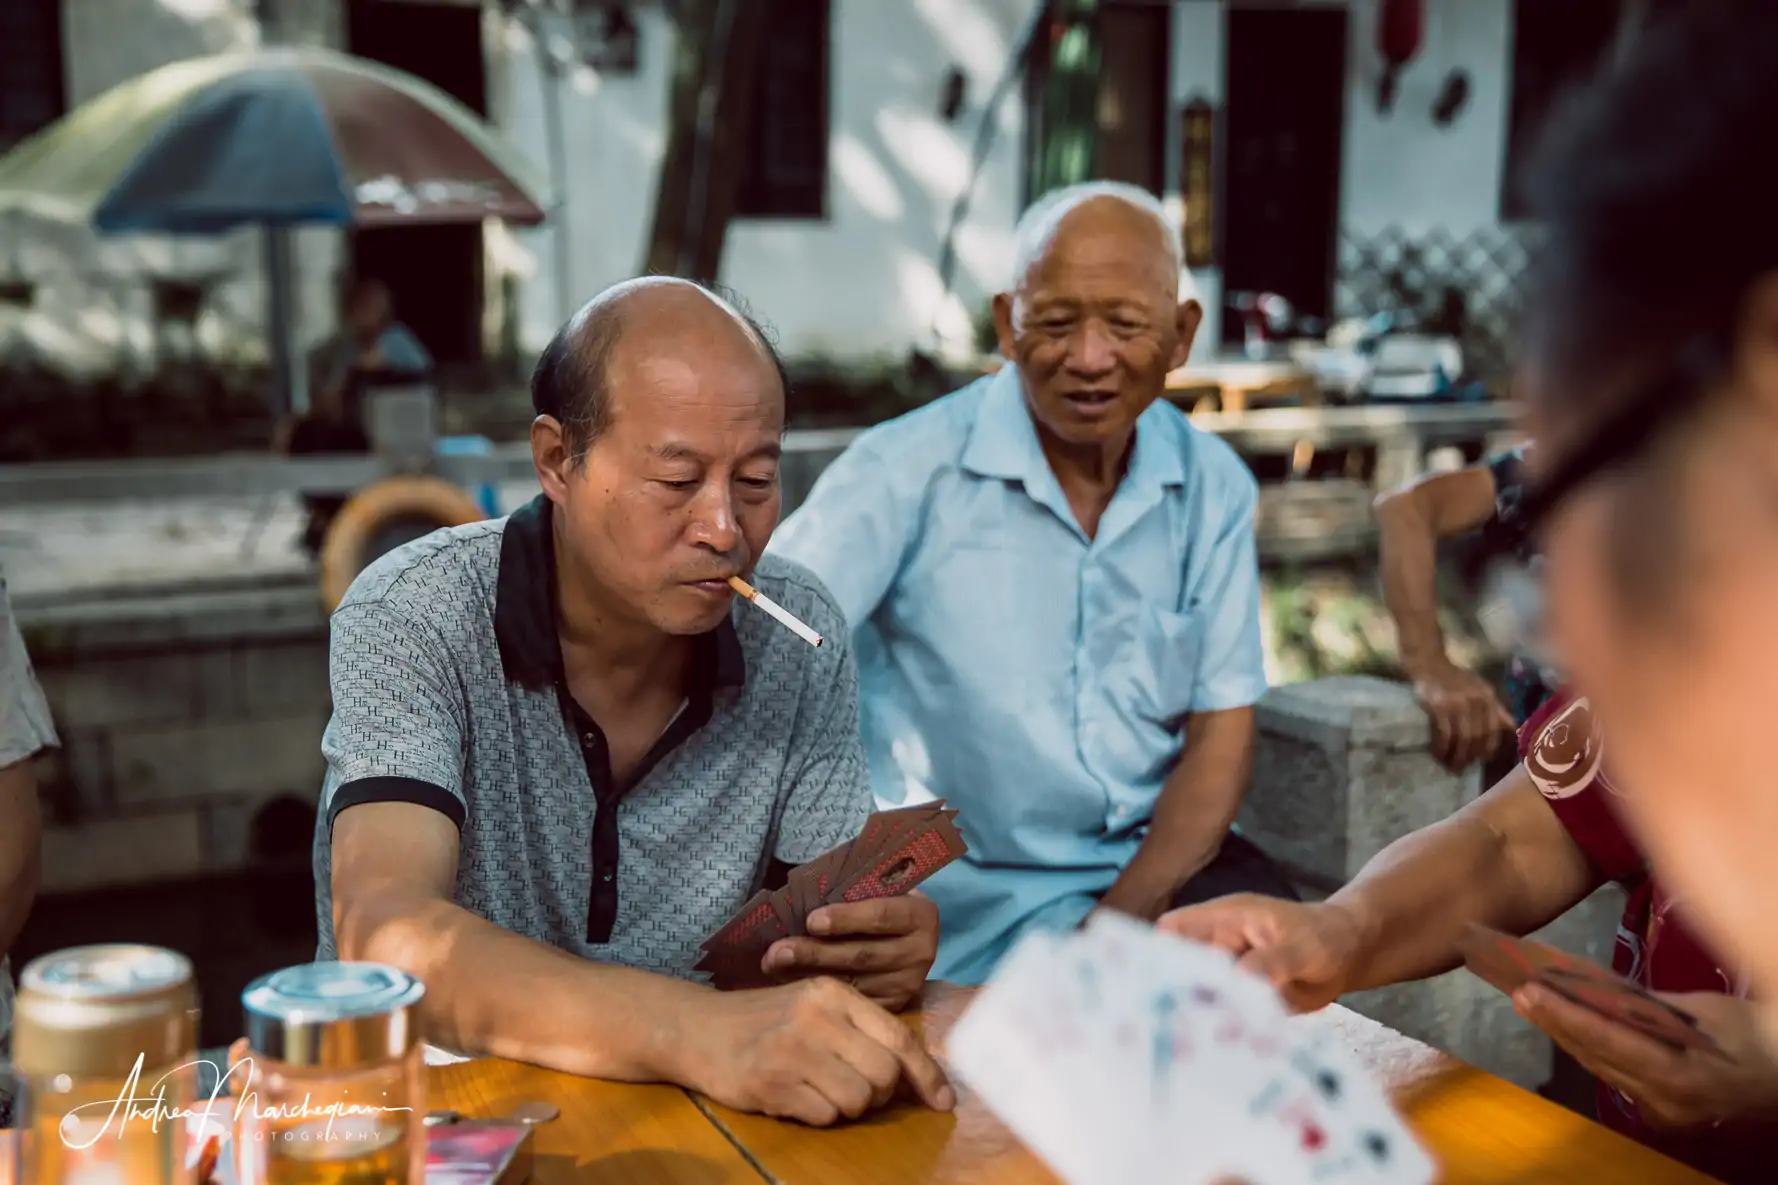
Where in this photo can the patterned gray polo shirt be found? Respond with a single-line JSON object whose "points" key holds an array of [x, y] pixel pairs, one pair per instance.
{"points": [[448, 692]]}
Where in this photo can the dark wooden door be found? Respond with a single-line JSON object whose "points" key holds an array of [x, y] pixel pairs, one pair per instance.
{"points": [[1285, 109], [1135, 48], [433, 272]]}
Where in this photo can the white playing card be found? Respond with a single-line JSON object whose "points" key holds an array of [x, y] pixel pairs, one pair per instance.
{"points": [[1120, 1054], [1202, 1043], [1369, 1143], [1023, 1047]]}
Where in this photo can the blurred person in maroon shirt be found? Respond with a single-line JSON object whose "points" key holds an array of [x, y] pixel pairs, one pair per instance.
{"points": [[1537, 844], [1651, 371]]}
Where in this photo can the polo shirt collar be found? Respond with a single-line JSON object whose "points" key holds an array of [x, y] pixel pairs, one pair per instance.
{"points": [[525, 611], [1003, 444]]}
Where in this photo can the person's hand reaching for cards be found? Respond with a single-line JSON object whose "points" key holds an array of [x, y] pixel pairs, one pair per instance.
{"points": [[1671, 1088], [1308, 952], [812, 1051], [883, 947]]}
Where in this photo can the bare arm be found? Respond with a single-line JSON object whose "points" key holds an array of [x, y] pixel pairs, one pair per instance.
{"points": [[20, 857], [812, 1050], [1505, 860], [1411, 521], [1468, 720], [1192, 814], [489, 991]]}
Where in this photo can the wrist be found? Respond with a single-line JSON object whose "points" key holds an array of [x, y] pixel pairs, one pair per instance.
{"points": [[1146, 889], [1425, 662], [1363, 928], [671, 1049]]}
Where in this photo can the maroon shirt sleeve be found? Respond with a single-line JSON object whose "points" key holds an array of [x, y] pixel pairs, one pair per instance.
{"points": [[1563, 751]]}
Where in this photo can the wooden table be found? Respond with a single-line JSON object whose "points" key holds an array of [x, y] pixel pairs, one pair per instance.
{"points": [[607, 1134], [1484, 1131]]}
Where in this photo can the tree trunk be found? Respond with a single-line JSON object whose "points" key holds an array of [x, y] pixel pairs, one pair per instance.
{"points": [[710, 112]]}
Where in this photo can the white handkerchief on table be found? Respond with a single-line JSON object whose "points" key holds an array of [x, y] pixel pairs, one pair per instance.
{"points": [[436, 1056]]}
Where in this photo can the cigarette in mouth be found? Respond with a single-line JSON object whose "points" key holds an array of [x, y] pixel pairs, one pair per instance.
{"points": [[774, 610]]}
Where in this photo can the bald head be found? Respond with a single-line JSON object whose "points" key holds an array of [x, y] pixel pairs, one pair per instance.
{"points": [[1096, 212], [649, 321]]}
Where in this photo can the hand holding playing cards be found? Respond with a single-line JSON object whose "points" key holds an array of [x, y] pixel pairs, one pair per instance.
{"points": [[812, 1051], [858, 903], [1671, 1088], [884, 948], [1308, 952]]}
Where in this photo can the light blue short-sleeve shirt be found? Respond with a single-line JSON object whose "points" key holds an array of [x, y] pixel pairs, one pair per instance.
{"points": [[1037, 679]]}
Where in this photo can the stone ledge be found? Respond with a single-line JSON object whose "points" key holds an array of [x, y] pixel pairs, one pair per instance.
{"points": [[123, 850], [206, 758], [1372, 713], [74, 630]]}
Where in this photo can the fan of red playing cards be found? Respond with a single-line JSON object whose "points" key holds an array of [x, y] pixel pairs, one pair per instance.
{"points": [[1510, 962], [896, 851]]}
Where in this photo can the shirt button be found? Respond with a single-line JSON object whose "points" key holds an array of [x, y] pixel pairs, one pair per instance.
{"points": [[607, 877]]}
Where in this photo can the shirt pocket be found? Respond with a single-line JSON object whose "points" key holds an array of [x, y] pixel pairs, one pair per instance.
{"points": [[1162, 668]]}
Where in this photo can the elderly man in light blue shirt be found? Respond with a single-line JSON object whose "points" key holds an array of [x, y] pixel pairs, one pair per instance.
{"points": [[1052, 577]]}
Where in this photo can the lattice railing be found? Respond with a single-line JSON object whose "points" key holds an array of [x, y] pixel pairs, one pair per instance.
{"points": [[1416, 273]]}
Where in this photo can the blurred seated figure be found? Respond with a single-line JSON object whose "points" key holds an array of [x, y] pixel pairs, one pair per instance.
{"points": [[1471, 719], [372, 348]]}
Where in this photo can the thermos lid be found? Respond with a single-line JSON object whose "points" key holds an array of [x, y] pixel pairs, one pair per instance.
{"points": [[333, 1015], [94, 1011]]}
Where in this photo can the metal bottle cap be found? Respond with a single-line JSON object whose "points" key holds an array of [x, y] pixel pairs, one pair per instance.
{"points": [[92, 1011], [333, 1015]]}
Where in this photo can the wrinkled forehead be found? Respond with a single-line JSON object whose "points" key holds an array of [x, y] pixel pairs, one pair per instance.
{"points": [[1103, 245], [689, 378]]}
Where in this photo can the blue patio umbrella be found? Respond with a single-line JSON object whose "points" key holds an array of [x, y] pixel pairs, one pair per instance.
{"points": [[278, 138]]}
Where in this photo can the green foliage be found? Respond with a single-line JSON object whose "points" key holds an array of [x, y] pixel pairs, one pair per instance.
{"points": [[827, 394], [1324, 621]]}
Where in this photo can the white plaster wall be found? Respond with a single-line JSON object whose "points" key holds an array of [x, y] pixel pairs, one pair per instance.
{"points": [[1401, 168], [614, 129], [105, 42], [859, 285], [864, 282]]}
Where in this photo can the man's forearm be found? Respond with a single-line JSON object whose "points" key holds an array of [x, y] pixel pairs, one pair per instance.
{"points": [[1192, 816], [1412, 902], [1409, 567], [489, 991]]}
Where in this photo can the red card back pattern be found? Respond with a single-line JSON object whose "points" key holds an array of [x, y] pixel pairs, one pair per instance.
{"points": [[899, 870]]}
